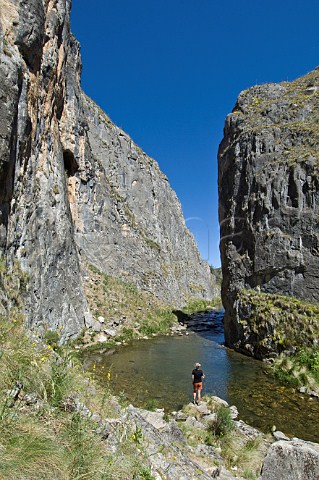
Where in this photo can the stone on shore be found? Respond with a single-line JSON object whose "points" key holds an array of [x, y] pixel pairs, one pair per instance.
{"points": [[292, 460]]}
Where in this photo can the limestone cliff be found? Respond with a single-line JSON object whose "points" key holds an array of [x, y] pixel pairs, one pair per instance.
{"points": [[74, 187], [269, 197]]}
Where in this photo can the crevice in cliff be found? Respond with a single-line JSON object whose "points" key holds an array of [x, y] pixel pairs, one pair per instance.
{"points": [[71, 168], [265, 276], [292, 197], [7, 173], [6, 178]]}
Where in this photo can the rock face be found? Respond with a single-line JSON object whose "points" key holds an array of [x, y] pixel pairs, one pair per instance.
{"points": [[294, 460], [269, 194], [74, 187]]}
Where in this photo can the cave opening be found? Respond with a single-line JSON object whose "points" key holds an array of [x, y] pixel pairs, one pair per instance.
{"points": [[70, 164]]}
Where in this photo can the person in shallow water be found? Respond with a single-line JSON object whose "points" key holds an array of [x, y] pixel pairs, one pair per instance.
{"points": [[197, 379]]}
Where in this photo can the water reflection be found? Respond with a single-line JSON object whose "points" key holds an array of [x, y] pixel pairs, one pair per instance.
{"points": [[160, 369]]}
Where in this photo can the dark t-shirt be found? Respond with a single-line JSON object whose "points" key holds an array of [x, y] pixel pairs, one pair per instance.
{"points": [[197, 375]]}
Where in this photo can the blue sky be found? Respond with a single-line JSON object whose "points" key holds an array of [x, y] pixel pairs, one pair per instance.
{"points": [[169, 71]]}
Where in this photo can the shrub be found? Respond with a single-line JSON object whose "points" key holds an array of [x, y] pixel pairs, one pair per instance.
{"points": [[52, 338], [223, 423], [151, 404]]}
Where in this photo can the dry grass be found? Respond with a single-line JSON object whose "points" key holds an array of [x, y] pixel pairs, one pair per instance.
{"points": [[139, 312], [46, 439]]}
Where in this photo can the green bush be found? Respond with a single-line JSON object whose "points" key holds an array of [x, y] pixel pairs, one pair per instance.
{"points": [[223, 423], [52, 338], [309, 359], [151, 404], [145, 474], [199, 304], [299, 369]]}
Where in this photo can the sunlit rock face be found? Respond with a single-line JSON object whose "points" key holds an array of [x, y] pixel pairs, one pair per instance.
{"points": [[291, 460], [268, 195], [74, 187]]}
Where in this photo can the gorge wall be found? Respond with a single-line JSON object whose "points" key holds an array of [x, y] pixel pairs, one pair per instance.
{"points": [[75, 189], [269, 199]]}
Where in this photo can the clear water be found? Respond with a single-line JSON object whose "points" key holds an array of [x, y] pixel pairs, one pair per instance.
{"points": [[160, 369]]}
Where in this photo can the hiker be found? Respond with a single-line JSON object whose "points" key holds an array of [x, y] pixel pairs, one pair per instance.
{"points": [[197, 379]]}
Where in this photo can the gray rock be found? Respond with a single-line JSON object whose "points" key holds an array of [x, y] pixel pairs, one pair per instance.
{"points": [[247, 430], [180, 416], [154, 418], [233, 412], [293, 460], [76, 189], [31, 398], [210, 419], [219, 401], [96, 326], [174, 433], [192, 422], [203, 409], [108, 427], [207, 451], [110, 333], [268, 203], [101, 338], [280, 436]]}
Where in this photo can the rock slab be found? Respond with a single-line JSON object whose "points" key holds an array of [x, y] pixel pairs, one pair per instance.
{"points": [[292, 460]]}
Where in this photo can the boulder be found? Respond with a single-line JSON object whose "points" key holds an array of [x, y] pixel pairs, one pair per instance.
{"points": [[292, 460]]}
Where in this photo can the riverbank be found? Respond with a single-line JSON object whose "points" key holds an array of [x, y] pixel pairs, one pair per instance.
{"points": [[157, 372], [122, 313], [58, 423]]}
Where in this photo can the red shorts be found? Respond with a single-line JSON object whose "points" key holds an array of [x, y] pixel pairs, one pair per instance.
{"points": [[198, 386]]}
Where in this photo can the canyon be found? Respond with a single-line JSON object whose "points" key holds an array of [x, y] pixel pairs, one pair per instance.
{"points": [[76, 191]]}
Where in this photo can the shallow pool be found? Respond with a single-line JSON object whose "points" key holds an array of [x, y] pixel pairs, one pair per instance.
{"points": [[159, 370]]}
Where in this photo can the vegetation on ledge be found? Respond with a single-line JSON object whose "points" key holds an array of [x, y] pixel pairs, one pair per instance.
{"points": [[200, 305], [300, 370], [135, 312], [286, 326], [285, 322], [138, 312]]}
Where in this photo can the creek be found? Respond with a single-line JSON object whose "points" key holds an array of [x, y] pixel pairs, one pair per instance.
{"points": [[158, 371]]}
